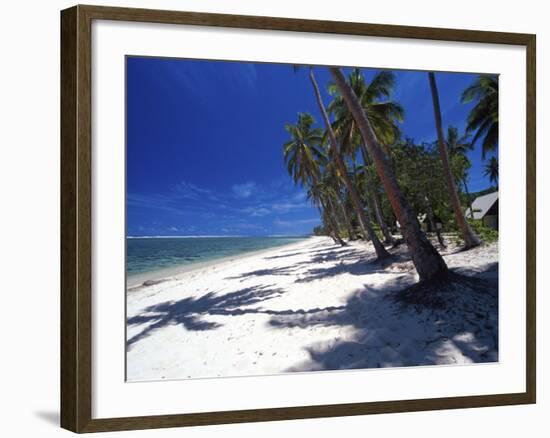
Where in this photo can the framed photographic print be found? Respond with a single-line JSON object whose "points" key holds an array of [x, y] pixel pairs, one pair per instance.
{"points": [[268, 218]]}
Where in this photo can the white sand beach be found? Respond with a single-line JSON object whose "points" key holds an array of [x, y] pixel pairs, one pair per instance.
{"points": [[310, 306]]}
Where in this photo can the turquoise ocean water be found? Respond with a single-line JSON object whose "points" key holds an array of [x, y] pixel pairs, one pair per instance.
{"points": [[150, 254]]}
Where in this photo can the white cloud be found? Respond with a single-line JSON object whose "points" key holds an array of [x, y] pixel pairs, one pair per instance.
{"points": [[285, 207], [191, 191], [290, 223], [257, 211], [153, 201], [244, 190], [300, 196]]}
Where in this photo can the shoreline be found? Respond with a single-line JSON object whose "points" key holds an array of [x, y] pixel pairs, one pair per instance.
{"points": [[136, 281], [308, 306]]}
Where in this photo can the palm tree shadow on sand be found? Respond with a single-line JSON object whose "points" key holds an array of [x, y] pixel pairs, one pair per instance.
{"points": [[393, 327], [394, 324], [190, 312]]}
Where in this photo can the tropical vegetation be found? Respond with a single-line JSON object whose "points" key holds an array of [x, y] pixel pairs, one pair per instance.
{"points": [[370, 182]]}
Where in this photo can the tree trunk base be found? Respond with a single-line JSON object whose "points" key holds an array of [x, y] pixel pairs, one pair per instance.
{"points": [[397, 242], [440, 291], [466, 247], [384, 257]]}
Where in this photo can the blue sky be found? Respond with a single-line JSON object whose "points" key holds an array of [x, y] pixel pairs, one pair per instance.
{"points": [[204, 143]]}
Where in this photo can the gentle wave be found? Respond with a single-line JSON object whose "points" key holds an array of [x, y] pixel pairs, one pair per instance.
{"points": [[148, 254]]}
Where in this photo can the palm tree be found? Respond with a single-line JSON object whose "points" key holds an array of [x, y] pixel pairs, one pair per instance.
{"points": [[364, 220], [303, 152], [326, 211], [313, 196], [491, 170], [383, 114], [304, 157], [459, 146], [470, 238], [332, 186], [483, 118], [422, 165], [428, 262]]}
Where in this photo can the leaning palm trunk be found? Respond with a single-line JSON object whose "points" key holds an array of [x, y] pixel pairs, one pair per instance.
{"points": [[468, 197], [328, 228], [381, 252], [347, 221], [365, 206], [332, 230], [331, 222], [365, 201], [470, 239], [388, 238], [376, 206], [427, 261], [369, 217], [433, 225]]}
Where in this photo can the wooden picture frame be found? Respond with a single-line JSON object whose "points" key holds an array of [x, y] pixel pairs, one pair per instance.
{"points": [[76, 218]]}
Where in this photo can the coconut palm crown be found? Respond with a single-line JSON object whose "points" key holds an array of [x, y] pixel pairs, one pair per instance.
{"points": [[383, 114], [491, 170], [457, 144], [303, 153], [483, 118]]}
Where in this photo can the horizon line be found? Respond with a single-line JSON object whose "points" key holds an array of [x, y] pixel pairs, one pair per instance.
{"points": [[216, 235]]}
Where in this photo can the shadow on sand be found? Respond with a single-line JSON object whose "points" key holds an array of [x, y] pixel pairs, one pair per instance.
{"points": [[389, 329], [385, 326], [190, 313], [336, 261]]}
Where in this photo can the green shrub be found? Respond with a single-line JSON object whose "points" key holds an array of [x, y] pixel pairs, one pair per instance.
{"points": [[486, 234]]}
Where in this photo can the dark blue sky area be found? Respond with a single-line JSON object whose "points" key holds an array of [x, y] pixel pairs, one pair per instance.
{"points": [[204, 143]]}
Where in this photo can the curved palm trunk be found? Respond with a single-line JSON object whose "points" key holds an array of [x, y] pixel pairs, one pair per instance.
{"points": [[369, 217], [377, 211], [331, 222], [365, 201], [330, 232], [381, 252], [333, 231], [347, 221], [365, 234], [470, 239], [427, 261], [433, 225], [388, 238], [469, 198], [334, 227]]}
